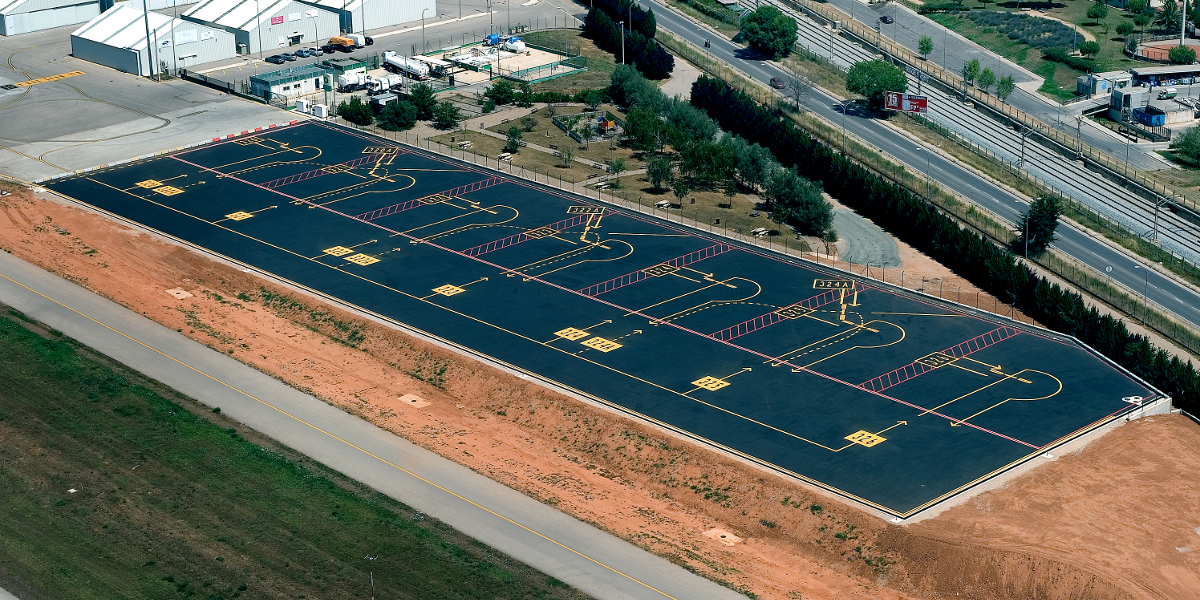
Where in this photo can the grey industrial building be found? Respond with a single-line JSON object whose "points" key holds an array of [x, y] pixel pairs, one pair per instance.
{"points": [[117, 38], [360, 15], [24, 16], [267, 26]]}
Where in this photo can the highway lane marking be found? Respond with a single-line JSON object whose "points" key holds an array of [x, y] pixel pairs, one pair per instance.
{"points": [[344, 441]]}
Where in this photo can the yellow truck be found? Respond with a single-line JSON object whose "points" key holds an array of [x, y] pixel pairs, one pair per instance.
{"points": [[344, 44]]}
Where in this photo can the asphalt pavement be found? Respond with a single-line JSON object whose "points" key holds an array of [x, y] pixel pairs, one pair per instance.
{"points": [[1133, 272], [572, 551]]}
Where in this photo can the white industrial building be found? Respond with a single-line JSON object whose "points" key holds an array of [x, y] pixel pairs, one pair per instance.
{"points": [[117, 38], [360, 15], [24, 16], [267, 26]]}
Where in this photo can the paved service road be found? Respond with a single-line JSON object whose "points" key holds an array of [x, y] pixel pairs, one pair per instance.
{"points": [[1132, 272], [561, 546]]}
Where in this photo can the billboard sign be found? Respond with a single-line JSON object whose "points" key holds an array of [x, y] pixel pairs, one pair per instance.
{"points": [[905, 102], [277, 20]]}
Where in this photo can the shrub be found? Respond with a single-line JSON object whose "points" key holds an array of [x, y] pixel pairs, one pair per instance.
{"points": [[1089, 49], [512, 141], [1033, 31], [769, 31], [398, 116], [356, 111], [1059, 55], [1124, 28], [1182, 55], [446, 115]]}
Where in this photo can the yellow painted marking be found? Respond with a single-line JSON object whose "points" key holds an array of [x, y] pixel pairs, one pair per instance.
{"points": [[601, 344], [148, 184], [584, 210], [936, 359], [918, 314], [711, 384], [362, 259], [660, 270], [540, 233], [338, 251], [167, 190], [379, 150], [794, 312], [48, 79], [240, 215], [571, 333], [347, 442], [448, 290], [833, 284], [333, 169], [865, 438]]}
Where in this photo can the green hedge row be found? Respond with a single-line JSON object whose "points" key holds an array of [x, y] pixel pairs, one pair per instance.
{"points": [[992, 268]]}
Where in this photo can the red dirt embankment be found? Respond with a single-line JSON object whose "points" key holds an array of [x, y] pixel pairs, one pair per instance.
{"points": [[1093, 525]]}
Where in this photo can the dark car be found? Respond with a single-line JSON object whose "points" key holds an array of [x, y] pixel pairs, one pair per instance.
{"points": [[886, 19], [370, 40], [328, 48], [276, 59], [777, 83]]}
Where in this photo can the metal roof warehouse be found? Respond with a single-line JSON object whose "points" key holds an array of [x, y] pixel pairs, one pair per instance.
{"points": [[262, 26], [118, 39]]}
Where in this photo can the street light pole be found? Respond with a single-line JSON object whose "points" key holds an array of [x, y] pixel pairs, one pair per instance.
{"points": [[372, 571], [622, 42], [258, 26], [423, 29]]}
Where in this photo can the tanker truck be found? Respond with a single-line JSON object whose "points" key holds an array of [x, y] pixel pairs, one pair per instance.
{"points": [[413, 69]]}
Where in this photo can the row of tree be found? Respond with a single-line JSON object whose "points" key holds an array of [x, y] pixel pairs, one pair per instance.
{"points": [[632, 46], [993, 268], [419, 105], [711, 159]]}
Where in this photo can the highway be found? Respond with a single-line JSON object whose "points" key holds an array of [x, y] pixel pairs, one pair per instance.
{"points": [[1133, 272]]}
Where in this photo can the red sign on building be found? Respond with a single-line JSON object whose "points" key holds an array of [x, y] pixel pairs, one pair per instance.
{"points": [[905, 102], [277, 20]]}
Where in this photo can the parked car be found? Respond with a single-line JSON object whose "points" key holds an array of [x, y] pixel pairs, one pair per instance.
{"points": [[777, 83], [288, 56], [306, 52], [314, 51], [370, 40], [328, 48], [276, 59], [887, 20]]}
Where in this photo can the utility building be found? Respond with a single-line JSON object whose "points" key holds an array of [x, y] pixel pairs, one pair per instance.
{"points": [[358, 16], [266, 26], [117, 38], [24, 16]]}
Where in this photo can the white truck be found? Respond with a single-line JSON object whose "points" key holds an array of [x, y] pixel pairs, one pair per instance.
{"points": [[359, 39], [413, 69], [382, 85], [348, 82]]}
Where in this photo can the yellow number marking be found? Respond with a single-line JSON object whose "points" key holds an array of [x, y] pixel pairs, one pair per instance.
{"points": [[711, 384], [584, 210], [167, 190], [601, 344], [148, 184], [571, 333], [865, 438], [448, 290], [337, 251], [362, 259], [240, 215], [935, 360], [660, 270], [833, 284]]}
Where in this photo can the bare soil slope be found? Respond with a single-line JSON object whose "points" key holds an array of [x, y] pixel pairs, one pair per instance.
{"points": [[633, 480]]}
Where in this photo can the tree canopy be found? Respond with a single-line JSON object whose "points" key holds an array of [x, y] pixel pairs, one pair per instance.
{"points": [[398, 116], [1036, 227], [1182, 55], [873, 78], [769, 31]]}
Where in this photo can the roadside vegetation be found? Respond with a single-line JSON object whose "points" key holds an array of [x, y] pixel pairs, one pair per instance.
{"points": [[116, 487], [1050, 46]]}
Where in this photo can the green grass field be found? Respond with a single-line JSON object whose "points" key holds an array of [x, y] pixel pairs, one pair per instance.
{"points": [[171, 500], [1060, 79]]}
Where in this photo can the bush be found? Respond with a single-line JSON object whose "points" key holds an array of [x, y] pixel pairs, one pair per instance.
{"points": [[446, 115], [873, 78], [993, 268], [931, 8], [1089, 49], [398, 116], [512, 141], [1182, 55], [769, 31], [356, 111], [1187, 145], [1059, 55], [1033, 31], [1124, 28]]}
